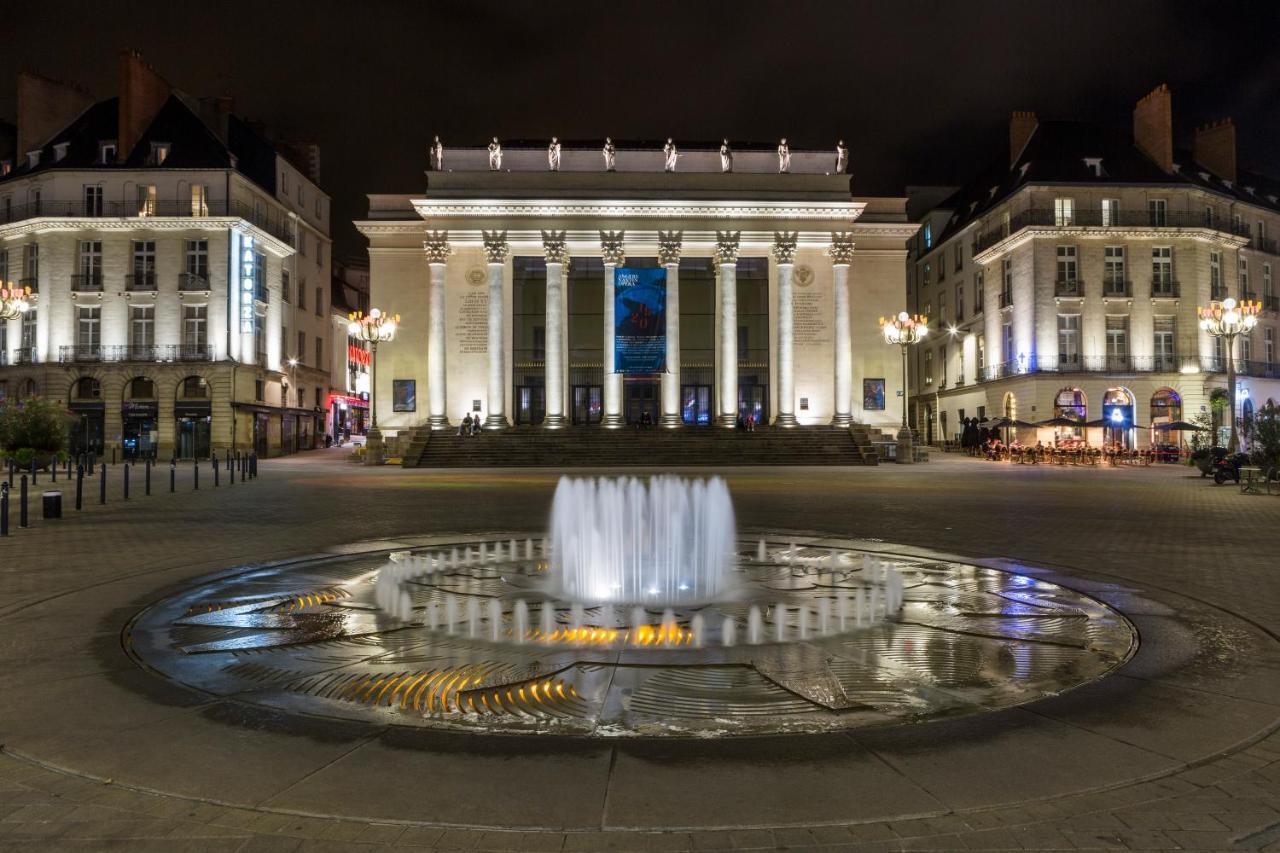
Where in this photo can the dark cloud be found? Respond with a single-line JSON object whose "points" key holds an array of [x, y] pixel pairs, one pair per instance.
{"points": [[921, 90]]}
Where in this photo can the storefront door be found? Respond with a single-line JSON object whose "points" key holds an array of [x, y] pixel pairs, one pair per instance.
{"points": [[695, 405], [753, 400], [86, 428], [531, 404], [640, 398], [588, 404]]}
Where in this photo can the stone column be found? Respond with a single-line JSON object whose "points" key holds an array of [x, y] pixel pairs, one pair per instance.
{"points": [[784, 252], [437, 247], [611, 250], [556, 250], [726, 263], [841, 253], [669, 243], [495, 249]]}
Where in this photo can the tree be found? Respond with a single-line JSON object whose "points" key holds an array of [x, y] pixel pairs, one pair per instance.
{"points": [[33, 428], [1264, 432]]}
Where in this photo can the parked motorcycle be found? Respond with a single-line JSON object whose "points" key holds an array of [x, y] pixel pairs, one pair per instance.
{"points": [[1227, 467]]}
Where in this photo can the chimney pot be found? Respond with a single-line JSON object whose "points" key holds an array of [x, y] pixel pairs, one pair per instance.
{"points": [[1153, 126], [1214, 147], [1022, 123]]}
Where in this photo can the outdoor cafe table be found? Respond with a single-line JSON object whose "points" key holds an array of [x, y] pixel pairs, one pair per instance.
{"points": [[1250, 480]]}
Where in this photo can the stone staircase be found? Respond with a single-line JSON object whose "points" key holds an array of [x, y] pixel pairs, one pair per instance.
{"points": [[594, 447]]}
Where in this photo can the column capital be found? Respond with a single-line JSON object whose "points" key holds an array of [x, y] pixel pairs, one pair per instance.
{"points": [[437, 246], [727, 247], [669, 245], [784, 246], [611, 247], [841, 249], [555, 246], [495, 246]]}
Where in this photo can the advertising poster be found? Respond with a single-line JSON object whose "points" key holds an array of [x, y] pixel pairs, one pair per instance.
{"points": [[640, 321]]}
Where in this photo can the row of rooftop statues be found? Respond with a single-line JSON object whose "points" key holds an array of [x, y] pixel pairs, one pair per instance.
{"points": [[670, 155]]}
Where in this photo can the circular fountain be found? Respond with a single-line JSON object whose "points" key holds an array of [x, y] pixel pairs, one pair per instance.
{"points": [[641, 612]]}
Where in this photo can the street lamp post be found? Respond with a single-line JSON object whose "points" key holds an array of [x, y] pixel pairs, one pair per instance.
{"points": [[904, 330], [374, 328], [1229, 320]]}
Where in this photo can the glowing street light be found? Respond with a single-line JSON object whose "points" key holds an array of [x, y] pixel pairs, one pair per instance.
{"points": [[373, 328], [904, 330], [14, 301], [1229, 320]]}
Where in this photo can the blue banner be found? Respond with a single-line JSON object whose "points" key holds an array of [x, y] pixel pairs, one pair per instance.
{"points": [[640, 320]]}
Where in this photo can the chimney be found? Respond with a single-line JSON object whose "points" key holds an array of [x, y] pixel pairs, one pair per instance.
{"points": [[1153, 126], [1021, 125], [216, 113], [45, 107], [1214, 147], [142, 93]]}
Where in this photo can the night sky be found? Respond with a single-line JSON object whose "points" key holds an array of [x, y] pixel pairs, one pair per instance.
{"points": [[920, 90]]}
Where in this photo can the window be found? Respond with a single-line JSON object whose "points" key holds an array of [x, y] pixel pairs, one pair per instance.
{"points": [[284, 182], [978, 291], [928, 367], [302, 243], [1069, 340], [1064, 211], [92, 200], [258, 390], [1157, 212], [942, 265], [4, 264], [1208, 216], [319, 302], [1067, 265], [144, 264], [1006, 342], [957, 255], [319, 362], [142, 326], [1269, 342], [300, 352], [942, 309], [285, 293], [982, 353], [927, 233], [1262, 231], [319, 253], [1164, 350], [106, 152], [928, 274], [1216, 290], [197, 259], [1113, 274], [31, 263], [1244, 278], [194, 330], [1006, 284], [959, 302], [146, 199], [89, 263], [1162, 271], [317, 390], [1246, 349], [302, 294], [159, 153], [199, 200], [319, 208], [89, 330], [1266, 281], [1117, 341], [1110, 212], [259, 339]]}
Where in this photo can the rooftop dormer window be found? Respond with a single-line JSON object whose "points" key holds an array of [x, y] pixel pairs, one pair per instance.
{"points": [[1094, 164], [6, 166], [33, 159], [159, 153], [1204, 176], [60, 151], [106, 151], [1249, 190], [1022, 170]]}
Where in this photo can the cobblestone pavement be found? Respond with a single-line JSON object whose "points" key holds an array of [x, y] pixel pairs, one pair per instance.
{"points": [[1160, 529]]}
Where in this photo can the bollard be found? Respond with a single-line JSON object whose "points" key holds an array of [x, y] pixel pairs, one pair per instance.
{"points": [[22, 503], [102, 485], [4, 509], [195, 474], [113, 454], [231, 469], [126, 481], [33, 472], [148, 477], [173, 473], [51, 504], [12, 466], [53, 470], [215, 471], [68, 467], [79, 487]]}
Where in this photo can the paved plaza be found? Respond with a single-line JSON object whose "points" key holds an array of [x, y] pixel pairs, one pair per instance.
{"points": [[1176, 750]]}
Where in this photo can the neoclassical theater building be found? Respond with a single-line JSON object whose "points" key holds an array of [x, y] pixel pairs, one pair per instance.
{"points": [[548, 286]]}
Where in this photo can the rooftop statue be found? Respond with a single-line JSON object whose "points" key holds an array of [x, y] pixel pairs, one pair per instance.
{"points": [[784, 156], [437, 154], [669, 155], [726, 157], [609, 153], [495, 155], [553, 155]]}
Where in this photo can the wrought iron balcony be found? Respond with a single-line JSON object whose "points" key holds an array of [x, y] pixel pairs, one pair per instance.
{"points": [[190, 281], [1117, 288], [26, 355], [140, 282], [135, 353], [1070, 287], [79, 353], [1257, 369], [194, 352], [1047, 217], [87, 282], [1217, 292], [1165, 289], [33, 283], [274, 222], [1006, 298], [1271, 303], [1265, 244]]}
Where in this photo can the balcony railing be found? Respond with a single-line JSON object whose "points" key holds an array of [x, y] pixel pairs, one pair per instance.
{"points": [[1117, 288], [1271, 303], [1265, 244], [190, 281], [1068, 287], [1248, 295], [1006, 299], [1165, 290], [135, 352], [26, 355], [140, 282], [1257, 369], [1077, 363], [4, 356], [272, 221], [33, 283], [1217, 292], [1045, 217], [87, 282]]}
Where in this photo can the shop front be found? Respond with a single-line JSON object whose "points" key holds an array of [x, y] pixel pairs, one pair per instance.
{"points": [[139, 428], [194, 420]]}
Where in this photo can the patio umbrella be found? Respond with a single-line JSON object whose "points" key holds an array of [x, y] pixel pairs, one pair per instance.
{"points": [[1181, 426], [1060, 421]]}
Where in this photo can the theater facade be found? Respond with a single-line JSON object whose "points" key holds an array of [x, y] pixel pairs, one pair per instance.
{"points": [[600, 286]]}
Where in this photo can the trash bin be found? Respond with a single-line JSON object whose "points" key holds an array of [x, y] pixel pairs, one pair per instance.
{"points": [[52, 504]]}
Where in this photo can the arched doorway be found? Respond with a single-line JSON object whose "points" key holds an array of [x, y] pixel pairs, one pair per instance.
{"points": [[139, 412], [28, 389], [1166, 407], [1073, 405], [193, 418], [88, 411], [1118, 417]]}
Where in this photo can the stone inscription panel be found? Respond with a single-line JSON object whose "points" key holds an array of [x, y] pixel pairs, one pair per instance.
{"points": [[811, 323], [472, 334]]}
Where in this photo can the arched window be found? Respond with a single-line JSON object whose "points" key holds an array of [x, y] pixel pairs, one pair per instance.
{"points": [[193, 388], [1010, 406], [1166, 406], [1118, 417], [140, 388], [29, 389], [86, 388]]}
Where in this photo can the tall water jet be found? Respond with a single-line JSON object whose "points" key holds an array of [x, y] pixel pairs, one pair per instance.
{"points": [[859, 607], [728, 631], [520, 620], [842, 608], [755, 625], [761, 553], [528, 549], [669, 630], [667, 539], [698, 627], [780, 622], [824, 616], [433, 616], [577, 614], [802, 620], [473, 617], [495, 620], [451, 613], [548, 616]]}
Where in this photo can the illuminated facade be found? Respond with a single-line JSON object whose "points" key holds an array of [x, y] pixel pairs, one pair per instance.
{"points": [[505, 276], [1064, 282]]}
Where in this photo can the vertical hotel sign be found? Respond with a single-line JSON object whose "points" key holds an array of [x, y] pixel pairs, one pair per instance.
{"points": [[243, 266], [248, 279], [640, 321]]}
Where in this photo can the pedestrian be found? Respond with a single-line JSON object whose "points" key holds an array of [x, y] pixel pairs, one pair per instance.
{"points": [[475, 425], [464, 429]]}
